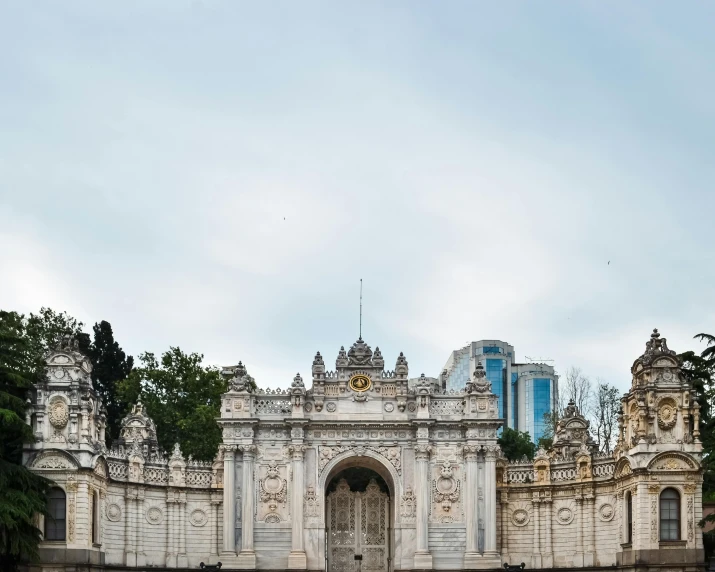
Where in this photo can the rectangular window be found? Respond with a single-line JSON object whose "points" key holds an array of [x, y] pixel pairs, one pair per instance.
{"points": [[55, 521], [669, 515]]}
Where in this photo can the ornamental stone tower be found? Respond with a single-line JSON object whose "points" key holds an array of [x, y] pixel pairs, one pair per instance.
{"points": [[659, 450]]}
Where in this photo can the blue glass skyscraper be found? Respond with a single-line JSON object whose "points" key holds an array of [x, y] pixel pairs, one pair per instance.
{"points": [[526, 391]]}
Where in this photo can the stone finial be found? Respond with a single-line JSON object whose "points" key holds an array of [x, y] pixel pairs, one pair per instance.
{"points": [[360, 354], [297, 381], [401, 365], [240, 381], [655, 347], [318, 365], [377, 359], [68, 343], [137, 430], [342, 360], [572, 434], [571, 409], [479, 383], [176, 453], [240, 370]]}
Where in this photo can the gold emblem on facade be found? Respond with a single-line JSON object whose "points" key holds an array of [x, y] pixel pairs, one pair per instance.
{"points": [[360, 382]]}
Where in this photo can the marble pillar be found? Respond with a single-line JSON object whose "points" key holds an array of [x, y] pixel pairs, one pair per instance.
{"points": [[548, 554], [170, 560], [297, 559], [215, 549], [536, 543], [471, 553], [130, 556], [423, 558], [490, 502], [141, 556], [229, 504], [182, 559], [578, 557], [247, 556]]}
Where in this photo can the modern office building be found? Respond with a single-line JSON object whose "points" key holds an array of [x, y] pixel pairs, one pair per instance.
{"points": [[526, 391]]}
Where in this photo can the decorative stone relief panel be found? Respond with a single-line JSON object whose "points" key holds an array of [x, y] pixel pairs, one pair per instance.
{"points": [[606, 509], [564, 512], [391, 454], [446, 494], [520, 513], [198, 514], [311, 504], [273, 493], [154, 515], [408, 504]]}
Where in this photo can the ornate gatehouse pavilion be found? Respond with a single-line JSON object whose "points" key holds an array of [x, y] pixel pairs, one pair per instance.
{"points": [[358, 471]]}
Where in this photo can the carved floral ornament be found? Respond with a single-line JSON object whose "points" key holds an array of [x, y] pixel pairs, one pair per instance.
{"points": [[58, 413], [667, 414], [445, 488], [672, 462], [328, 453]]}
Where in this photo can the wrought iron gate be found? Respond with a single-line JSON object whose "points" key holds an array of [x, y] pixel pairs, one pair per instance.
{"points": [[358, 524]]}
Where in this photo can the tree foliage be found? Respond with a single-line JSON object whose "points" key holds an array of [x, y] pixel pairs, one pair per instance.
{"points": [[605, 408], [576, 387], [516, 444], [182, 396], [699, 370], [110, 365], [22, 493]]}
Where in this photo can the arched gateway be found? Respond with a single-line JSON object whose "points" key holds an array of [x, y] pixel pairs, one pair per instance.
{"points": [[364, 463]]}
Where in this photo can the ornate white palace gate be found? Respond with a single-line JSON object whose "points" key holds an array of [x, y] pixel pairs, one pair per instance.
{"points": [[450, 501], [358, 524]]}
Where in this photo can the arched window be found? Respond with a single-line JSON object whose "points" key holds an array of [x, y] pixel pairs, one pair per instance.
{"points": [[55, 521], [629, 518], [669, 515]]}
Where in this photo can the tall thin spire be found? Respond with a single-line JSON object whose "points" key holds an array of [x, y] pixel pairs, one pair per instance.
{"points": [[361, 308]]}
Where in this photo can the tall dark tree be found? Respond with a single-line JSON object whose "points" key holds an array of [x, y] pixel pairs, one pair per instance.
{"points": [[699, 369], [22, 493], [516, 444], [182, 396], [110, 365]]}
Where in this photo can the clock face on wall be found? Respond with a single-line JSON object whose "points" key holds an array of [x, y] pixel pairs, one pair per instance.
{"points": [[360, 382]]}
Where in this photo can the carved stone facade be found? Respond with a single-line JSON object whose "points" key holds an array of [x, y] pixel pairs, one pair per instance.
{"points": [[441, 494]]}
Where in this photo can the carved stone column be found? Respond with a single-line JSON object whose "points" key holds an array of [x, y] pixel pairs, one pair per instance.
{"points": [[139, 530], [297, 558], [490, 501], [505, 525], [536, 543], [247, 556], [170, 534], [548, 558], [215, 503], [471, 553], [589, 557], [229, 503], [182, 560], [423, 558], [130, 555], [578, 557]]}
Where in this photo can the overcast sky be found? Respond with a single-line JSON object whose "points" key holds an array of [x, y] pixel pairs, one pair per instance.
{"points": [[220, 175]]}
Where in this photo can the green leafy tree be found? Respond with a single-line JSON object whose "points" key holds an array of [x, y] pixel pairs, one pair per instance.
{"points": [[22, 493], [182, 396], [516, 444], [45, 329], [699, 370], [110, 365]]}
